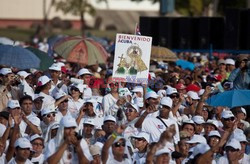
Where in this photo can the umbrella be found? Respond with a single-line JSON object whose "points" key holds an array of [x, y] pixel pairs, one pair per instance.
{"points": [[18, 57], [52, 41], [46, 61], [80, 50], [162, 54], [185, 64], [232, 98]]}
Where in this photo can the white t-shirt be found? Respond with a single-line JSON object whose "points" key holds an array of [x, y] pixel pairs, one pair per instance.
{"points": [[224, 160], [48, 101], [3, 158], [155, 128], [13, 161], [74, 106], [107, 102], [69, 156], [113, 161], [130, 129], [39, 159], [139, 158]]}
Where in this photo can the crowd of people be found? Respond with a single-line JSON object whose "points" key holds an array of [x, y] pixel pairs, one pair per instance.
{"points": [[74, 115]]}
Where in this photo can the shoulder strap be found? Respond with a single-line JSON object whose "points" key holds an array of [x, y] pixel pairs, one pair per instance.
{"points": [[162, 121]]}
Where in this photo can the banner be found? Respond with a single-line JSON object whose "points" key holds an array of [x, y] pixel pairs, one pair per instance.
{"points": [[132, 57]]}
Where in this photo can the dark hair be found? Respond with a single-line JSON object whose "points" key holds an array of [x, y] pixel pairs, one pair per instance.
{"points": [[26, 97]]}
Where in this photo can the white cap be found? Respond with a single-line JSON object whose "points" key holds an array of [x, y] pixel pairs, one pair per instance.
{"points": [[162, 93], [199, 149], [165, 150], [151, 94], [23, 143], [55, 67], [230, 61], [43, 80], [201, 91], [61, 64], [214, 133], [46, 111], [138, 89], [171, 90], [188, 121], [213, 122], [83, 71], [243, 110], [197, 139], [79, 86], [139, 101], [5, 71], [135, 106], [89, 121], [198, 119], [234, 143], [241, 137], [227, 114], [167, 101], [59, 95], [193, 95], [109, 118], [35, 136], [13, 104], [68, 121], [23, 74], [144, 135], [124, 92]]}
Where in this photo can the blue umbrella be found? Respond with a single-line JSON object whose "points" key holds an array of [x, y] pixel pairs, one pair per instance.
{"points": [[232, 98], [15, 56], [185, 64]]}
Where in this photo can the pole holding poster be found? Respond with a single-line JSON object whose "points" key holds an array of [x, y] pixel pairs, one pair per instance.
{"points": [[132, 57]]}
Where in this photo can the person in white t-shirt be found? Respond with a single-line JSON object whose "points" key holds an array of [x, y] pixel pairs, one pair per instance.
{"points": [[22, 151], [37, 143], [67, 146], [86, 76]]}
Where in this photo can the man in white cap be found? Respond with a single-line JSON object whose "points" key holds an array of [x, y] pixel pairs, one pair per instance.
{"points": [[86, 76], [26, 84], [199, 123], [48, 116], [87, 132], [156, 125], [227, 119], [62, 106], [7, 91], [67, 146], [22, 151], [109, 125], [37, 143], [230, 66]]}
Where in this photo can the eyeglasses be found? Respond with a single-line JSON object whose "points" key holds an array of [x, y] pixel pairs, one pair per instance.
{"points": [[37, 144], [229, 119], [129, 110], [119, 144], [174, 96], [51, 115]]}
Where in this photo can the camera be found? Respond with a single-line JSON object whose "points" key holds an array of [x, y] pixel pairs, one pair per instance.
{"points": [[78, 136]]}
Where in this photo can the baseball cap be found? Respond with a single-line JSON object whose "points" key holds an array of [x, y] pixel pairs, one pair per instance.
{"points": [[188, 121], [234, 144], [23, 143], [193, 87], [83, 71], [13, 104], [95, 150], [78, 86], [221, 61], [197, 139], [43, 80], [109, 118], [46, 111], [135, 106], [193, 95], [230, 61], [59, 95], [171, 90], [89, 122], [198, 119], [214, 133], [5, 71], [199, 149], [243, 110], [68, 121], [241, 137], [144, 135], [55, 67], [138, 89], [35, 136], [227, 114], [162, 151], [151, 94], [23, 74], [167, 101], [213, 122]]}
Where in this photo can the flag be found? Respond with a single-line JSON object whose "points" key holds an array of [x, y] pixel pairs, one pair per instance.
{"points": [[137, 29]]}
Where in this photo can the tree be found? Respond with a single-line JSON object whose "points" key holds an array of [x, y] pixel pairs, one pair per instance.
{"points": [[77, 8]]}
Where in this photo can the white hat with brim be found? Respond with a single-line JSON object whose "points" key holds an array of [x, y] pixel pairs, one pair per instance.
{"points": [[12, 104], [84, 71], [68, 122], [5, 71], [167, 101], [193, 95], [227, 114], [23, 143], [55, 67], [214, 133], [23, 74], [43, 80], [89, 122], [162, 151], [134, 106], [199, 149], [138, 89], [144, 135], [151, 94], [46, 111], [234, 144], [59, 95], [197, 139], [35, 136], [109, 118], [198, 119]]}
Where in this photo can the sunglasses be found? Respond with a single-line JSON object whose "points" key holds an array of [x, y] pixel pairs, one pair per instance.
{"points": [[174, 96], [119, 144], [51, 115], [229, 119], [16, 108]]}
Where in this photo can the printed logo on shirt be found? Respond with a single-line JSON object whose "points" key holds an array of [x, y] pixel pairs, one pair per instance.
{"points": [[160, 126]]}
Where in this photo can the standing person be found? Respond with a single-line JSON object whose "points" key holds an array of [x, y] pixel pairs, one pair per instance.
{"points": [[241, 75], [66, 147]]}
